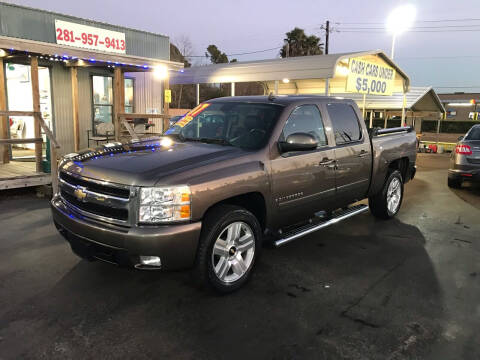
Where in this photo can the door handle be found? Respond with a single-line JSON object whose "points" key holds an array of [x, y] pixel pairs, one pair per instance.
{"points": [[328, 162], [362, 153]]}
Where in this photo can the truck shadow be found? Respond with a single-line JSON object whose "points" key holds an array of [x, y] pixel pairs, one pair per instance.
{"points": [[361, 289], [470, 193]]}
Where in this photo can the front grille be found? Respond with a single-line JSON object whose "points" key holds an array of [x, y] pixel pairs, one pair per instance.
{"points": [[103, 202], [103, 189], [100, 210]]}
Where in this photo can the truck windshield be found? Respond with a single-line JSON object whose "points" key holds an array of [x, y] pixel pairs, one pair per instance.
{"points": [[239, 124]]}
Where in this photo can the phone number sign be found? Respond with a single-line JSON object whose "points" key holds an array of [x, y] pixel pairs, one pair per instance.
{"points": [[366, 77], [89, 37]]}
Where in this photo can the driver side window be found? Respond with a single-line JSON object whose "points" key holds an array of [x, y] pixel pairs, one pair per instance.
{"points": [[306, 119]]}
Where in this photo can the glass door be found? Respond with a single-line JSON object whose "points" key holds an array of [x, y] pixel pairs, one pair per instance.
{"points": [[19, 98]]}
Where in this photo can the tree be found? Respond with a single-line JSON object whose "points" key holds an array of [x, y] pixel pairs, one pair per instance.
{"points": [[184, 45], [180, 53], [215, 55], [297, 43]]}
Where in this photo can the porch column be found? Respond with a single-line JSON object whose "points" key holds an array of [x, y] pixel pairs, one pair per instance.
{"points": [[36, 108], [327, 87], [276, 87], [166, 106], [404, 104], [118, 98], [371, 118], [233, 89], [364, 103], [76, 125], [197, 92], [3, 119]]}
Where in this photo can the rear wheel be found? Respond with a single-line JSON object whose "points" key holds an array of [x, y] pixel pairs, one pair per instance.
{"points": [[229, 246], [454, 183], [387, 202]]}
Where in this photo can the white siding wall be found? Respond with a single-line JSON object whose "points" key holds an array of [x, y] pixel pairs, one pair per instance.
{"points": [[62, 107], [148, 96]]}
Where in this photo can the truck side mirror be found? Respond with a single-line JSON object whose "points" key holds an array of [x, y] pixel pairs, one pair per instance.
{"points": [[460, 138], [298, 142]]}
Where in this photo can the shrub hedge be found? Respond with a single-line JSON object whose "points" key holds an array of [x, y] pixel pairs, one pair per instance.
{"points": [[449, 127]]}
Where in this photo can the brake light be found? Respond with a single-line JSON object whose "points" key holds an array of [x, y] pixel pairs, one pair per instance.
{"points": [[463, 149]]}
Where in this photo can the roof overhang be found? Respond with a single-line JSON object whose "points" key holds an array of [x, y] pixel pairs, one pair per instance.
{"points": [[418, 99], [43, 48], [299, 70]]}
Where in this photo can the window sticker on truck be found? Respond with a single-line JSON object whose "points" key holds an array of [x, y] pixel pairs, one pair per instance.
{"points": [[191, 114]]}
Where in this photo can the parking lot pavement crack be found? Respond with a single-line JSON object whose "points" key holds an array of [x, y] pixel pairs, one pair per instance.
{"points": [[345, 313]]}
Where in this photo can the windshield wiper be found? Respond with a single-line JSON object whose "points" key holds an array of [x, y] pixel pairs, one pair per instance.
{"points": [[210, 141]]}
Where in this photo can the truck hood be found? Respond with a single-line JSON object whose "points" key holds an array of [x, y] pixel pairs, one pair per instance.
{"points": [[145, 163]]}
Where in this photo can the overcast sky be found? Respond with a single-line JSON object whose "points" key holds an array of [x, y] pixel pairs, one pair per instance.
{"points": [[440, 59]]}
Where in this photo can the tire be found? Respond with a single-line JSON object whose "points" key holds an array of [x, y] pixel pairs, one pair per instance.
{"points": [[454, 183], [220, 264], [387, 203]]}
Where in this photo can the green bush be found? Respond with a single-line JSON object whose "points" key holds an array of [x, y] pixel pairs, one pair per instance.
{"points": [[381, 122], [448, 127]]}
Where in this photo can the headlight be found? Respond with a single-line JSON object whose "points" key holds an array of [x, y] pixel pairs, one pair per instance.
{"points": [[164, 204]]}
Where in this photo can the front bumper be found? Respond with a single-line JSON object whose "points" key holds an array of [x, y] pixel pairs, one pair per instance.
{"points": [[176, 245]]}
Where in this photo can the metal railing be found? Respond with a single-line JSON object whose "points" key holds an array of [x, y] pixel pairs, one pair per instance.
{"points": [[53, 142]]}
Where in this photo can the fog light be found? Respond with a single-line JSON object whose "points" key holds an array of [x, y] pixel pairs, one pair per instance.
{"points": [[149, 261]]}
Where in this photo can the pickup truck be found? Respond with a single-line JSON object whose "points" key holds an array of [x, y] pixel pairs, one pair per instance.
{"points": [[230, 174]]}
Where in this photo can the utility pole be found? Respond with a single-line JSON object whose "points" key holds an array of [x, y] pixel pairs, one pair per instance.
{"points": [[327, 32]]}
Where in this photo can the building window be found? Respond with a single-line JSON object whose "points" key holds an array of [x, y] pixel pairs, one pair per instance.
{"points": [[129, 95], [102, 101]]}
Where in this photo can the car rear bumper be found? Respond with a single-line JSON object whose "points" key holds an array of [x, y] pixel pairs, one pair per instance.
{"points": [[464, 174], [176, 245]]}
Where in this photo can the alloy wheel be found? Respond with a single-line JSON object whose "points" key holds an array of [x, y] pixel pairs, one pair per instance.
{"points": [[233, 252]]}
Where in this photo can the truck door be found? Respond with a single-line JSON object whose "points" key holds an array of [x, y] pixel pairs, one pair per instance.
{"points": [[303, 182], [353, 153]]}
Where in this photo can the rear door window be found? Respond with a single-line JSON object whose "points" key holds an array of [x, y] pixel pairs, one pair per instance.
{"points": [[473, 134], [305, 119], [345, 123]]}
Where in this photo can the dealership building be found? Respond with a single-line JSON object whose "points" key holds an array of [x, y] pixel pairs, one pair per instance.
{"points": [[91, 77], [461, 106]]}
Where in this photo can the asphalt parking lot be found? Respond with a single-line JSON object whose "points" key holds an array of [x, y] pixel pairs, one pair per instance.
{"points": [[364, 289]]}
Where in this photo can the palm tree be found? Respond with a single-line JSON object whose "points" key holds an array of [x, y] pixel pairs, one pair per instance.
{"points": [[297, 43]]}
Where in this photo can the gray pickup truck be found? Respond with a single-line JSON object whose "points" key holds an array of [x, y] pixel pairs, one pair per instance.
{"points": [[230, 174]]}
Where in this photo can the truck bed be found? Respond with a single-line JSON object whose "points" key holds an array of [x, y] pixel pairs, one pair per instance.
{"points": [[391, 145]]}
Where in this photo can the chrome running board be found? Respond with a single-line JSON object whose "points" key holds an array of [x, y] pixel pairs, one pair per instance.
{"points": [[308, 229]]}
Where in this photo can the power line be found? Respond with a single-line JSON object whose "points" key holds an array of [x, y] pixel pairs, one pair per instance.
{"points": [[413, 27], [242, 53], [417, 21], [440, 57], [413, 31], [458, 87]]}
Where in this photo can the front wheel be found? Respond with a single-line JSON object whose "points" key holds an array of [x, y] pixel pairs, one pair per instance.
{"points": [[229, 246], [387, 202]]}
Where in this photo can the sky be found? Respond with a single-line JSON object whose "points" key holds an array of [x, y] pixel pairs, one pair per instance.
{"points": [[443, 55]]}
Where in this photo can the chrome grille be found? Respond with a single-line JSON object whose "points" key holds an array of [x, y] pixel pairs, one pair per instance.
{"points": [[98, 200]]}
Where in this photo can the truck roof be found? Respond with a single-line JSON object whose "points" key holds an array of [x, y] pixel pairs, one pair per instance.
{"points": [[278, 99]]}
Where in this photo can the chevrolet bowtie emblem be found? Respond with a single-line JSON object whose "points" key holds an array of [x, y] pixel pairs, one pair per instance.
{"points": [[80, 193]]}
